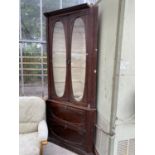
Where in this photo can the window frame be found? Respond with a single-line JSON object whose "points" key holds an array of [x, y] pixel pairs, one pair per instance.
{"points": [[42, 43]]}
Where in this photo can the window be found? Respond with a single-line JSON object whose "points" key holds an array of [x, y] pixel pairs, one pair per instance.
{"points": [[32, 44]]}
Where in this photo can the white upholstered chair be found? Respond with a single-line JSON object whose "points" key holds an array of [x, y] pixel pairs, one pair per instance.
{"points": [[33, 130]]}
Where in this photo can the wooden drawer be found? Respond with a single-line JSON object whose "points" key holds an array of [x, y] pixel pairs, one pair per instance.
{"points": [[71, 126], [66, 113], [77, 127], [67, 135]]}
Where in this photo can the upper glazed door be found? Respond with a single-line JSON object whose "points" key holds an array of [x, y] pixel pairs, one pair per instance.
{"points": [[59, 59], [78, 59], [79, 67], [71, 59], [58, 56]]}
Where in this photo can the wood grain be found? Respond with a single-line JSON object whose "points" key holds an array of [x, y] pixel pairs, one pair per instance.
{"points": [[71, 123]]}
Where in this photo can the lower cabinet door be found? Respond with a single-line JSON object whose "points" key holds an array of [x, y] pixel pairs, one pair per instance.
{"points": [[71, 127]]}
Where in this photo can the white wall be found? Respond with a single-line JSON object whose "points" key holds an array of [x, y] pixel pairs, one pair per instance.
{"points": [[126, 89], [108, 16], [125, 123], [116, 67]]}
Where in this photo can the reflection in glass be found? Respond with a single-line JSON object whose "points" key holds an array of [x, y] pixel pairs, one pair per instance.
{"points": [[59, 58], [78, 59]]}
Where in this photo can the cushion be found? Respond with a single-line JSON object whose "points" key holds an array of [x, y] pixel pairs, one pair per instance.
{"points": [[28, 127], [31, 112], [29, 144]]}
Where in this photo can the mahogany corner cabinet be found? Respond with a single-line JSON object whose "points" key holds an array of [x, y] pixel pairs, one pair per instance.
{"points": [[72, 72]]}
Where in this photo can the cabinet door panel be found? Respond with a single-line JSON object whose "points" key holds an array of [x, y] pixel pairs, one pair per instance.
{"points": [[78, 59], [59, 59], [72, 57]]}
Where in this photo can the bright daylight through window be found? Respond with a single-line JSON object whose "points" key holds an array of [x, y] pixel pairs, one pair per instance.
{"points": [[32, 44]]}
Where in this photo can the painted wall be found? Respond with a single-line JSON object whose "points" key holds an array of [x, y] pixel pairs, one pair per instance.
{"points": [[116, 67], [126, 91], [125, 121], [108, 16]]}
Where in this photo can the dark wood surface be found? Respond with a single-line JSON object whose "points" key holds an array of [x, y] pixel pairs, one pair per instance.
{"points": [[67, 10], [71, 123]]}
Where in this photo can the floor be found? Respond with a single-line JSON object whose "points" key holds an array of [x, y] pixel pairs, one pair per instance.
{"points": [[52, 149]]}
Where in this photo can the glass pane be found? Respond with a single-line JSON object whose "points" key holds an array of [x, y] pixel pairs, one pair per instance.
{"points": [[49, 5], [30, 19], [32, 85], [78, 59], [45, 71], [59, 58], [31, 60], [20, 72], [68, 3], [31, 49], [20, 85]]}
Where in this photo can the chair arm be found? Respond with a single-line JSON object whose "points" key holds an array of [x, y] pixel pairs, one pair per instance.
{"points": [[42, 131]]}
